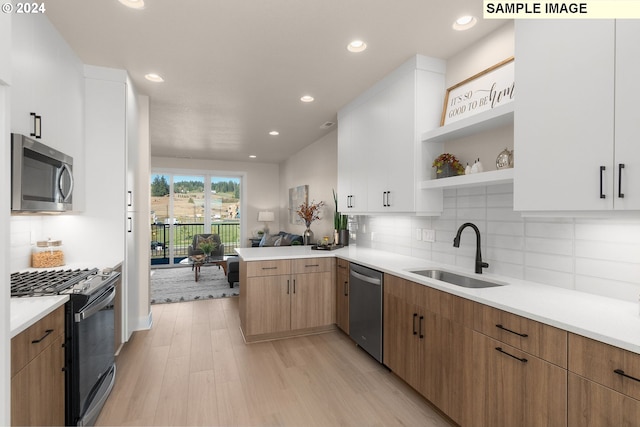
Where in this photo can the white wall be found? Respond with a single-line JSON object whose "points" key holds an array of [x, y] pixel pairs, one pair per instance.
{"points": [[316, 166], [259, 191]]}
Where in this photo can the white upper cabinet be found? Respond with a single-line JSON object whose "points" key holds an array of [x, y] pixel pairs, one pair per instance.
{"points": [[379, 138], [576, 118], [352, 174], [626, 194], [47, 79]]}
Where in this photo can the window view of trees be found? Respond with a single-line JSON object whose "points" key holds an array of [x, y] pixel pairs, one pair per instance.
{"points": [[159, 186], [192, 211]]}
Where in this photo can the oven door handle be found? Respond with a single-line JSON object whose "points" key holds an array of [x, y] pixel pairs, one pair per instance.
{"points": [[97, 305]]}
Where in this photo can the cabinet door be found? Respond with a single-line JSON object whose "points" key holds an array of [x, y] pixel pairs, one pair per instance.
{"points": [[593, 405], [345, 160], [268, 302], [37, 390], [401, 344], [362, 136], [627, 153], [354, 137], [514, 388], [391, 155], [311, 300], [399, 149], [563, 126], [449, 374], [342, 295]]}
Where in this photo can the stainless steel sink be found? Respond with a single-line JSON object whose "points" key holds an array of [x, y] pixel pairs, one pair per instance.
{"points": [[456, 279]]}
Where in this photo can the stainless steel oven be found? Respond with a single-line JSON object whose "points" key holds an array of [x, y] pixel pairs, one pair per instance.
{"points": [[91, 362]]}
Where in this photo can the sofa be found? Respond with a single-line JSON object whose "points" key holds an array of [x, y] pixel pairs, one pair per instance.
{"points": [[281, 239]]}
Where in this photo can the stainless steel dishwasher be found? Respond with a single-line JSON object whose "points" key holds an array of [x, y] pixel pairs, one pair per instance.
{"points": [[365, 309]]}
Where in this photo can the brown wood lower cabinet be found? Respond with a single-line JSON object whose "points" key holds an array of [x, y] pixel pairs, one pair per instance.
{"points": [[37, 382], [594, 405], [515, 388], [604, 384], [286, 297], [428, 344], [443, 346]]}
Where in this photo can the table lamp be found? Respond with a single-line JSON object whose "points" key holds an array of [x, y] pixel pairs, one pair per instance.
{"points": [[266, 216]]}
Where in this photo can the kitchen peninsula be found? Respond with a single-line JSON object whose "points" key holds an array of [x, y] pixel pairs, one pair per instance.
{"points": [[548, 333]]}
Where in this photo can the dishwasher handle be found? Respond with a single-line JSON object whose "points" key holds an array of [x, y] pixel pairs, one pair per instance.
{"points": [[372, 280]]}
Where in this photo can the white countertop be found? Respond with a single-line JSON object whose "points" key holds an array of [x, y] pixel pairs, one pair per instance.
{"points": [[282, 252], [609, 320], [27, 311]]}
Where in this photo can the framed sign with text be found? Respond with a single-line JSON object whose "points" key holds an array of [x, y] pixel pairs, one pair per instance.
{"points": [[483, 91]]}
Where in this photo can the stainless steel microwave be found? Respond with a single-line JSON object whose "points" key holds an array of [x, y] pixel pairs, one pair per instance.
{"points": [[41, 177]]}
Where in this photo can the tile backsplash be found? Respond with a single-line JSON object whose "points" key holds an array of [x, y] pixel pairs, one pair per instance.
{"points": [[599, 256]]}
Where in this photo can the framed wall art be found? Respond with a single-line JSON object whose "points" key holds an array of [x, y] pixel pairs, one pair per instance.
{"points": [[481, 92], [297, 196]]}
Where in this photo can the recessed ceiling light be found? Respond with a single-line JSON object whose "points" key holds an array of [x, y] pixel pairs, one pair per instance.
{"points": [[274, 133], [464, 22], [252, 156], [153, 77], [133, 4], [307, 98], [356, 46]]}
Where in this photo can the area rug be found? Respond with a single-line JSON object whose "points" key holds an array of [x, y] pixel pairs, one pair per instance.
{"points": [[178, 284]]}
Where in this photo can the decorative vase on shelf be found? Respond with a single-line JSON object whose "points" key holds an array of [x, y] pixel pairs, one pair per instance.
{"points": [[307, 236]]}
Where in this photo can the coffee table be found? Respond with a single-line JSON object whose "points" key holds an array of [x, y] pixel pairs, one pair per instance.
{"points": [[204, 261]]}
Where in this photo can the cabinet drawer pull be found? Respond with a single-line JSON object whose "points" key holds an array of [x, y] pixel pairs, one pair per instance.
{"points": [[621, 372], [414, 323], [269, 268], [311, 265], [499, 326], [602, 169], [420, 327], [46, 334], [342, 266], [523, 360], [620, 193]]}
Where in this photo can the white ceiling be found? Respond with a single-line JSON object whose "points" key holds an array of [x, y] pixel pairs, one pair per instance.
{"points": [[236, 69]]}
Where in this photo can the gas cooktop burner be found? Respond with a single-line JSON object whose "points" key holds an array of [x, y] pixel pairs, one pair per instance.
{"points": [[46, 282]]}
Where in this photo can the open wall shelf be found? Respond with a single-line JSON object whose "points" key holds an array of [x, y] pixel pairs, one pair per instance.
{"points": [[502, 176], [487, 120]]}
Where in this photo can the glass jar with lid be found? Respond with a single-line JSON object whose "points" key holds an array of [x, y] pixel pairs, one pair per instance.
{"points": [[47, 253]]}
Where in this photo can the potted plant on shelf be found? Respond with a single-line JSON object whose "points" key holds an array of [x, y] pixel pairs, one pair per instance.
{"points": [[447, 165], [309, 212], [340, 224]]}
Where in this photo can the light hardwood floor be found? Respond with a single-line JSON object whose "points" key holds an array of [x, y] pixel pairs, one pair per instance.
{"points": [[193, 368]]}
